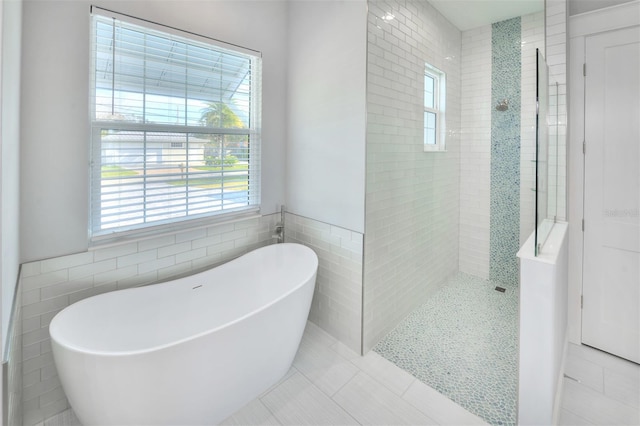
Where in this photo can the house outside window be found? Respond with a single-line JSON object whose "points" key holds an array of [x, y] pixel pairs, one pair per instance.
{"points": [[175, 122], [434, 108]]}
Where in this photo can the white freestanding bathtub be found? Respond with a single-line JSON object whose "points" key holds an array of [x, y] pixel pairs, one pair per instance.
{"points": [[190, 351]]}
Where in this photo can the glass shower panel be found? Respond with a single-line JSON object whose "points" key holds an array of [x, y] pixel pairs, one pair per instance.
{"points": [[552, 153], [546, 152]]}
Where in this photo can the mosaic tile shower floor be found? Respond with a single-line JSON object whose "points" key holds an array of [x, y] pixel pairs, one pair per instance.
{"points": [[463, 342]]}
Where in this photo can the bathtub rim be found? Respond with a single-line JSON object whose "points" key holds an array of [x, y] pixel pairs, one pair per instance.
{"points": [[311, 278]]}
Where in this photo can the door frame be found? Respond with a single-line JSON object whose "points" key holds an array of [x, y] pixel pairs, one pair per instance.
{"points": [[581, 26]]}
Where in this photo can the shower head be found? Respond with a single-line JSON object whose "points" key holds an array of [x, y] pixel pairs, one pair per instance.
{"points": [[503, 105]]}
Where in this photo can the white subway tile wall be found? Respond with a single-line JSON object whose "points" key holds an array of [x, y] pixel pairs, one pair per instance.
{"points": [[556, 49], [48, 286], [412, 202], [337, 301], [475, 152], [532, 38], [13, 413], [475, 135]]}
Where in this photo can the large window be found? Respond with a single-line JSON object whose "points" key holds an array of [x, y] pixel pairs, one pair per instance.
{"points": [[175, 121], [434, 109]]}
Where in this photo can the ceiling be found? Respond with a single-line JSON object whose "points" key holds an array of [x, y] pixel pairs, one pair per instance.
{"points": [[468, 14]]}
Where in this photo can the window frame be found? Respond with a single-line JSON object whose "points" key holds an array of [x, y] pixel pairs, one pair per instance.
{"points": [[438, 109], [97, 233]]}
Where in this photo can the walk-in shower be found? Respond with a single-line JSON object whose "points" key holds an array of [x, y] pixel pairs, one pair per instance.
{"points": [[440, 287]]}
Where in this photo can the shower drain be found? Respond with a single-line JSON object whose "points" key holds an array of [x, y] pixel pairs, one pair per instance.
{"points": [[500, 289]]}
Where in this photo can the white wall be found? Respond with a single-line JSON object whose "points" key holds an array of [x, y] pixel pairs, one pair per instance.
{"points": [[475, 151], [532, 38], [326, 111], [325, 163], [556, 56], [10, 53], [475, 135], [337, 300], [55, 99], [412, 204], [9, 156]]}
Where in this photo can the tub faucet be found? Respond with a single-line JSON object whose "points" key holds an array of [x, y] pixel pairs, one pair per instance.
{"points": [[279, 234]]}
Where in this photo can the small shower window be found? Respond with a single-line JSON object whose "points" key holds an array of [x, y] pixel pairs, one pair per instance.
{"points": [[434, 108]]}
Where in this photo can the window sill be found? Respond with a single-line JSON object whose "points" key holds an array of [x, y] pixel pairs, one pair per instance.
{"points": [[124, 237]]}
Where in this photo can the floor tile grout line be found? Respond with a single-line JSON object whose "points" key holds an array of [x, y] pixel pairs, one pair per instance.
{"points": [[332, 347], [338, 403], [344, 385], [403, 394], [621, 402], [409, 387], [600, 396], [372, 378], [360, 370], [342, 359], [604, 395], [320, 391], [327, 394], [604, 382], [259, 398], [443, 395], [376, 379], [627, 365], [562, 407], [604, 357]]}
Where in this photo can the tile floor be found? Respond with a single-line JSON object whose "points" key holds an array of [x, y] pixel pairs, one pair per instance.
{"points": [[464, 343], [600, 389], [331, 385]]}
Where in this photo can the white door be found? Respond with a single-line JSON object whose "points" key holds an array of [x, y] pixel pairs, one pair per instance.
{"points": [[611, 271]]}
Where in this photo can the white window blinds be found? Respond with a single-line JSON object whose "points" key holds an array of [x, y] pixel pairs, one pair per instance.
{"points": [[175, 124]]}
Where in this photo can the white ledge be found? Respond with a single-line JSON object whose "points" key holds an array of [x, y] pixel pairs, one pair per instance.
{"points": [[550, 248]]}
